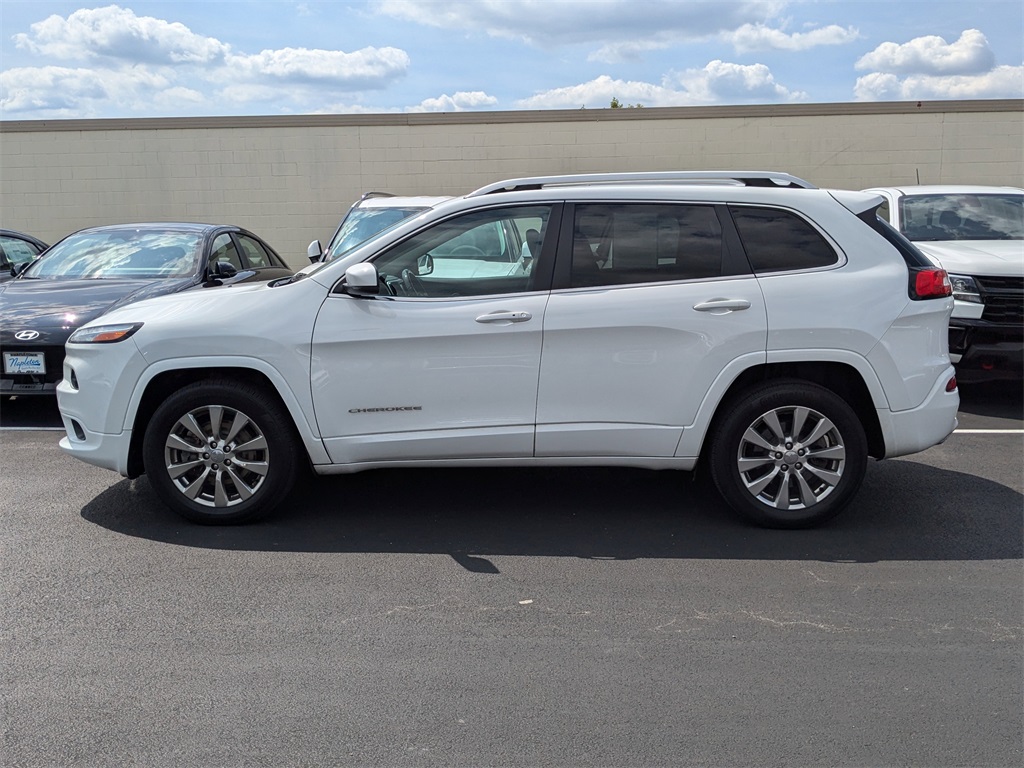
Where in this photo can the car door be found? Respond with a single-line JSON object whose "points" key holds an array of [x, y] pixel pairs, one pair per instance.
{"points": [[652, 302], [443, 363]]}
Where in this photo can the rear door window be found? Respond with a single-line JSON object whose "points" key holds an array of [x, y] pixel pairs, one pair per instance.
{"points": [[256, 256], [628, 243]]}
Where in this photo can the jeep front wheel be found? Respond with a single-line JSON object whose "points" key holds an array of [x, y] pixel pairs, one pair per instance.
{"points": [[220, 452]]}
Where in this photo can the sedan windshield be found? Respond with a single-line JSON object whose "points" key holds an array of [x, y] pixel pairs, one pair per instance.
{"points": [[962, 217], [131, 253], [362, 224]]}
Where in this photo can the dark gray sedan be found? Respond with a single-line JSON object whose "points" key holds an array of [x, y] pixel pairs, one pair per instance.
{"points": [[95, 270]]}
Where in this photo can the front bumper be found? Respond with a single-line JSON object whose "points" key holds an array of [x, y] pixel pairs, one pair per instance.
{"points": [[94, 397], [107, 451], [27, 386], [984, 351]]}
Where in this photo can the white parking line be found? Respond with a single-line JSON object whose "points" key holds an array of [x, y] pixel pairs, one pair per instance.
{"points": [[988, 431]]}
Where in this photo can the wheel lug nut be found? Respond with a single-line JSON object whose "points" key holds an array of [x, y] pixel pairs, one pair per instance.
{"points": [[799, 465], [206, 455]]}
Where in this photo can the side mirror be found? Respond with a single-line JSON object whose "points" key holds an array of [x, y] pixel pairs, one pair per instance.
{"points": [[17, 269], [222, 270], [315, 252], [424, 265], [362, 280]]}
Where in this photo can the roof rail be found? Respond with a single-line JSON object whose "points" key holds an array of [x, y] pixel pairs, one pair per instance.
{"points": [[741, 178]]}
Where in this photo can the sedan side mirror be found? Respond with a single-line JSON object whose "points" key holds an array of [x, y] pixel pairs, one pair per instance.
{"points": [[362, 280], [222, 270], [315, 252]]}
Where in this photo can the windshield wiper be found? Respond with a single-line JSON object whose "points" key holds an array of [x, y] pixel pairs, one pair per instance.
{"points": [[287, 280]]}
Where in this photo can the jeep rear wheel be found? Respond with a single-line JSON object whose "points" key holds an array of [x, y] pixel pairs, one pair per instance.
{"points": [[790, 454], [220, 452]]}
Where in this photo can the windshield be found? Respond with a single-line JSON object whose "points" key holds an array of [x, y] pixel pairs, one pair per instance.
{"points": [[121, 253], [964, 216], [362, 224]]}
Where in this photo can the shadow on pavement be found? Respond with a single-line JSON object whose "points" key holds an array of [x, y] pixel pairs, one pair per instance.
{"points": [[35, 412], [998, 399], [905, 511]]}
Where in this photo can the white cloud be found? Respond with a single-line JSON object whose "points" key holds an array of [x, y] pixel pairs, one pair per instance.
{"points": [[630, 50], [459, 102], [759, 37], [718, 82], [550, 24], [931, 68], [932, 55], [117, 33], [724, 82], [366, 68], [148, 63], [999, 83], [598, 93], [66, 92]]}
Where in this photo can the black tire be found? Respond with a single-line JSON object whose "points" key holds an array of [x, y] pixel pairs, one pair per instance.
{"points": [[221, 452], [789, 454]]}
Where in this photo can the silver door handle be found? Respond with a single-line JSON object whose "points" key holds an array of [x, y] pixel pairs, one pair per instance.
{"points": [[721, 306], [505, 317]]}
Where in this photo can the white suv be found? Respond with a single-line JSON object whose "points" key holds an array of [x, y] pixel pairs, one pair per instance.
{"points": [[782, 333], [977, 235]]}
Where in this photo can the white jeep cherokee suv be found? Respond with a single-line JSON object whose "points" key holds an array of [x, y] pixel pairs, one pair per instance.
{"points": [[780, 332]]}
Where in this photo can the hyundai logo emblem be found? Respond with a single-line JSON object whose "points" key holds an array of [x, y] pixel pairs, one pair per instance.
{"points": [[26, 335]]}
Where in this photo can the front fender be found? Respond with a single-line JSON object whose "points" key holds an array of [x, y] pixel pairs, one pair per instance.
{"points": [[296, 403]]}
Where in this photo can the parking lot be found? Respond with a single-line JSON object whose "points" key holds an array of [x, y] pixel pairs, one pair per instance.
{"points": [[514, 617]]}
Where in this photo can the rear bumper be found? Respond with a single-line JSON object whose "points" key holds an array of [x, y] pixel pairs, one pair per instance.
{"points": [[918, 429]]}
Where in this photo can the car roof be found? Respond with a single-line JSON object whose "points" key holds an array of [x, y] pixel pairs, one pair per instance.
{"points": [[21, 236], [377, 200], [752, 187], [181, 226], [947, 189]]}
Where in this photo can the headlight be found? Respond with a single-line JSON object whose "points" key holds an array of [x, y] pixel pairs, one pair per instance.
{"points": [[104, 334], [965, 289]]}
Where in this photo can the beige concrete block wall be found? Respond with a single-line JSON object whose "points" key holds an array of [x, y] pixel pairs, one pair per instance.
{"points": [[290, 179]]}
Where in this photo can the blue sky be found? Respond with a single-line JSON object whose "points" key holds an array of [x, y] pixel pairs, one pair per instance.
{"points": [[61, 60]]}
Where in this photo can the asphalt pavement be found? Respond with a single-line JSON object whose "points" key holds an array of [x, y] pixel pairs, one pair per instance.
{"points": [[562, 617]]}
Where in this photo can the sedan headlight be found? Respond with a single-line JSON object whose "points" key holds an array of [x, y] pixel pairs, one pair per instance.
{"points": [[104, 334], [965, 289]]}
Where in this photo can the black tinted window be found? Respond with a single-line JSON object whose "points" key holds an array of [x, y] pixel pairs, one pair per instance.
{"points": [[622, 243], [776, 240]]}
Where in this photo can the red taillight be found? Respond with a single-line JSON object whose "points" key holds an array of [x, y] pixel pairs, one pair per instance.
{"points": [[930, 283], [951, 384]]}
